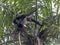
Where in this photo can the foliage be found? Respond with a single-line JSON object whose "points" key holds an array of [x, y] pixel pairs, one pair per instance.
{"points": [[46, 14]]}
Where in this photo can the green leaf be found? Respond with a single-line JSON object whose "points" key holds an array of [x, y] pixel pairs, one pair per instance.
{"points": [[1, 32]]}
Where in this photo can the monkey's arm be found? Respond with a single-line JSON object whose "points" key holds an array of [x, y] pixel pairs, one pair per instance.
{"points": [[32, 20]]}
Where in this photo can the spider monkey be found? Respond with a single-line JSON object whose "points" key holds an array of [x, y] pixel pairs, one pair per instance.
{"points": [[21, 19]]}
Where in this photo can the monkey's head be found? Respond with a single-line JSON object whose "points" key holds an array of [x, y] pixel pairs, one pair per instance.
{"points": [[22, 19]]}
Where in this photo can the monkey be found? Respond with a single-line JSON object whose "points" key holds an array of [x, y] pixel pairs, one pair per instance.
{"points": [[20, 20], [21, 27]]}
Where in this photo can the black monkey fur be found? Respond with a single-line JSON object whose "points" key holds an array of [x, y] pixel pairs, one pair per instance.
{"points": [[19, 21], [36, 22]]}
